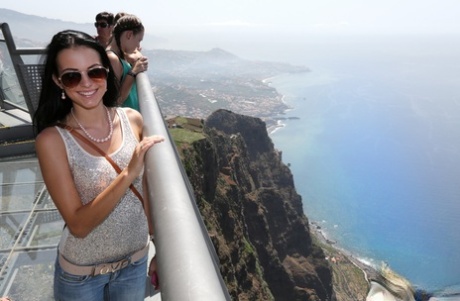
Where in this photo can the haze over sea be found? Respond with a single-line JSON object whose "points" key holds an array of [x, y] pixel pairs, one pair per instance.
{"points": [[376, 151]]}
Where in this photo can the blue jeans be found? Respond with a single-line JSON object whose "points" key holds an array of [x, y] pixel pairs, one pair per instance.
{"points": [[125, 284]]}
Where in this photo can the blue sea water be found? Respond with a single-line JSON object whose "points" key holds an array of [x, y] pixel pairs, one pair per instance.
{"points": [[376, 151]]}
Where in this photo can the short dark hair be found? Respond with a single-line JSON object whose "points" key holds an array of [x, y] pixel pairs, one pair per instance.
{"points": [[105, 16]]}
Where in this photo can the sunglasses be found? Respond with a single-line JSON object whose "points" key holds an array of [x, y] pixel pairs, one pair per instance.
{"points": [[101, 24], [71, 79]]}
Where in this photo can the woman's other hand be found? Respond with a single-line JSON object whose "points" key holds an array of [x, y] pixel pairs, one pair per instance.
{"points": [[153, 273], [137, 161]]}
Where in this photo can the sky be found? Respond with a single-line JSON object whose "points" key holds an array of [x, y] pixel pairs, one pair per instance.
{"points": [[303, 16]]}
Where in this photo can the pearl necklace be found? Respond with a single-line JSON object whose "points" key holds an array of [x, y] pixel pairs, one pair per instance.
{"points": [[88, 134]]}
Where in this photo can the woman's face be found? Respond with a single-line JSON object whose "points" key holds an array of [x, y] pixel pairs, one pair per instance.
{"points": [[132, 41], [81, 75]]}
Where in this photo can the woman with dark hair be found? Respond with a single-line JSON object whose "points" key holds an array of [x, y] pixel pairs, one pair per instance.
{"points": [[127, 35], [91, 155], [136, 54]]}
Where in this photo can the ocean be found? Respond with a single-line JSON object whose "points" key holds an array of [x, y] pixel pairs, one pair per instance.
{"points": [[375, 152]]}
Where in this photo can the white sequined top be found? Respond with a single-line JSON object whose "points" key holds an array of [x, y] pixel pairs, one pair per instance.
{"points": [[126, 229]]}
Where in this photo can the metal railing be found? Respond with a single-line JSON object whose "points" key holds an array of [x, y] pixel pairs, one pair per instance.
{"points": [[188, 266], [27, 68]]}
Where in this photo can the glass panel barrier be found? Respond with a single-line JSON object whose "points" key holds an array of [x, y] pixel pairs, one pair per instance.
{"points": [[10, 89]]}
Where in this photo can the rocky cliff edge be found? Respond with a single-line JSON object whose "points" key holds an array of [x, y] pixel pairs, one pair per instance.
{"points": [[253, 213]]}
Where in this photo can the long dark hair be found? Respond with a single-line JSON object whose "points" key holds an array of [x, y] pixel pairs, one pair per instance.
{"points": [[51, 108]]}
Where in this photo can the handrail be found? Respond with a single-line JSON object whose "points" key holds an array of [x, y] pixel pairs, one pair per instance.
{"points": [[188, 267], [18, 62], [13, 50]]}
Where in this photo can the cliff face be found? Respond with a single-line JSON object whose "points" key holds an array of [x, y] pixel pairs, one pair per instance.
{"points": [[253, 213]]}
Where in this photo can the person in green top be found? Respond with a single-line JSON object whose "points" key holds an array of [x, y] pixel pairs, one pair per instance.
{"points": [[127, 35]]}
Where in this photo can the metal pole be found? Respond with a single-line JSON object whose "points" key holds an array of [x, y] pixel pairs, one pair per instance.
{"points": [[188, 267]]}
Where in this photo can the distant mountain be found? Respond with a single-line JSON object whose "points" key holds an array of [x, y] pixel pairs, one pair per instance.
{"points": [[190, 83], [33, 30], [215, 63], [30, 30]]}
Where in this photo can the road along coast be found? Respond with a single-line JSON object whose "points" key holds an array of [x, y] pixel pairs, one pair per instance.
{"points": [[350, 275]]}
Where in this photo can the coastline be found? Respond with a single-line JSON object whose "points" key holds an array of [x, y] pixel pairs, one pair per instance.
{"points": [[368, 270], [271, 129], [350, 275], [277, 121]]}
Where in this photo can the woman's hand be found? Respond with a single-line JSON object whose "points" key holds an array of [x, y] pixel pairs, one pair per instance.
{"points": [[134, 56], [153, 273], [137, 161], [148, 142], [141, 65]]}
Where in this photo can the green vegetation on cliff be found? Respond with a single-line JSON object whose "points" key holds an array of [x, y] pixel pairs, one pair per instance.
{"points": [[254, 216]]}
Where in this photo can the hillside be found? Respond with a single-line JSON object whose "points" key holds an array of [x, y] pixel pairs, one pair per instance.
{"points": [[254, 215]]}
